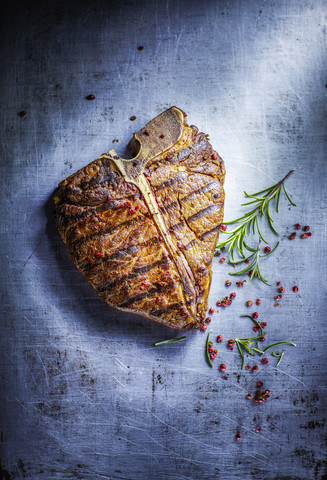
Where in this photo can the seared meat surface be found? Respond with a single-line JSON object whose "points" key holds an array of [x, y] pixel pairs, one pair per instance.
{"points": [[143, 231]]}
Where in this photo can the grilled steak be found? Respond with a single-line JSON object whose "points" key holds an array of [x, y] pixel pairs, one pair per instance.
{"points": [[143, 231]]}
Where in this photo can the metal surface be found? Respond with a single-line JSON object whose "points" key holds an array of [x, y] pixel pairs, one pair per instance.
{"points": [[85, 394]]}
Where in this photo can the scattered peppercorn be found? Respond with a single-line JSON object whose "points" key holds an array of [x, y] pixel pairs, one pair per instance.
{"points": [[222, 259], [222, 367], [259, 383], [258, 430], [223, 227], [231, 342], [297, 226], [133, 118], [162, 136], [238, 436], [263, 324], [256, 328], [278, 283], [258, 301], [220, 338], [282, 289], [22, 114], [232, 295], [306, 235], [295, 288], [306, 228], [90, 97], [278, 297], [262, 339], [255, 368], [204, 327], [249, 396], [115, 140], [265, 360], [255, 315], [292, 236], [247, 367], [249, 303], [214, 156], [277, 305], [267, 249], [228, 283], [211, 310], [140, 47]]}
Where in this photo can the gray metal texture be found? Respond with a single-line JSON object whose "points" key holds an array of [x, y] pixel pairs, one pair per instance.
{"points": [[85, 394]]}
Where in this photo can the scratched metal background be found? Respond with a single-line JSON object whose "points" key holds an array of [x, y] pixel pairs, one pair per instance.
{"points": [[85, 394]]}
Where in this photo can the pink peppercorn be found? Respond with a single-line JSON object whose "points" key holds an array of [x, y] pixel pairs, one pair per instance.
{"points": [[278, 283], [204, 327], [247, 260], [265, 360], [262, 339], [222, 367], [220, 338], [213, 356], [247, 367], [258, 430], [259, 383], [255, 368], [208, 319], [228, 283], [249, 396], [306, 228], [255, 315], [297, 226], [214, 155], [295, 289], [232, 295], [267, 392], [222, 259], [223, 227], [258, 301], [90, 97], [306, 235], [231, 342], [263, 324], [267, 249], [238, 436], [249, 303], [292, 236], [256, 328], [282, 289], [211, 310]]}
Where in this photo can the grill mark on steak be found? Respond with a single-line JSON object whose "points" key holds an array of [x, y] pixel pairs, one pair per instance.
{"points": [[204, 212], [79, 241], [120, 253], [161, 311], [203, 189], [150, 293], [137, 271], [209, 232], [190, 244], [168, 183]]}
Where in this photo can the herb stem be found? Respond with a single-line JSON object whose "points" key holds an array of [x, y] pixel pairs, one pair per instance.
{"points": [[171, 340], [207, 351]]}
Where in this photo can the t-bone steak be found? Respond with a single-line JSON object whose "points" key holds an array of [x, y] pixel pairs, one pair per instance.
{"points": [[143, 230]]}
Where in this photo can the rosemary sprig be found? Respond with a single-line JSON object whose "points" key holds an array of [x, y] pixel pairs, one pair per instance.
{"points": [[244, 343], [248, 223], [254, 264], [207, 351], [279, 343], [171, 340]]}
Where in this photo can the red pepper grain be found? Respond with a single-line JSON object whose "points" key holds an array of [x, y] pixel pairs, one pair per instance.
{"points": [[262, 339], [214, 156], [295, 288], [222, 367], [278, 283], [250, 273], [223, 227], [222, 259], [213, 356], [247, 367], [258, 301], [277, 305], [218, 303], [259, 383], [282, 289], [238, 436], [249, 396], [265, 360], [204, 327], [90, 97], [256, 328], [267, 392], [232, 295], [255, 368], [247, 260], [211, 310], [306, 228], [208, 319], [228, 283], [231, 342], [292, 236], [249, 303], [278, 297], [90, 259], [267, 249], [220, 338], [297, 226], [258, 430], [133, 118], [99, 255], [255, 315], [306, 235], [263, 324]]}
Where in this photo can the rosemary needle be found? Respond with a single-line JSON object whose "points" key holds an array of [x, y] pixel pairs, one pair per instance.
{"points": [[171, 340]]}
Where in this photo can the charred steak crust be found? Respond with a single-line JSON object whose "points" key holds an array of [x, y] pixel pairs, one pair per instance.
{"points": [[143, 231]]}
